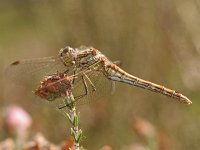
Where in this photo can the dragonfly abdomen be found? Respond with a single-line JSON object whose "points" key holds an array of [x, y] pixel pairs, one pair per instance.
{"points": [[135, 81]]}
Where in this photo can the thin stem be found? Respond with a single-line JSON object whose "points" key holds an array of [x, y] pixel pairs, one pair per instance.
{"points": [[73, 117]]}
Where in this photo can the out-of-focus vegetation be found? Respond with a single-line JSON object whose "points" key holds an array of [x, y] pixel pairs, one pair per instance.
{"points": [[155, 40]]}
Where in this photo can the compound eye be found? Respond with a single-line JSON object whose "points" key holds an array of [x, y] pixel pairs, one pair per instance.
{"points": [[65, 50]]}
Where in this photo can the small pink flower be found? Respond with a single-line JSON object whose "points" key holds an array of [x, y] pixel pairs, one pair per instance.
{"points": [[17, 119]]}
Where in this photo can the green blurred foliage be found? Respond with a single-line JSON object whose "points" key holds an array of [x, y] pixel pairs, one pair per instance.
{"points": [[155, 40]]}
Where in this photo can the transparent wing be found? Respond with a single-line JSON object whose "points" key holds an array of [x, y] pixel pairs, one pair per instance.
{"points": [[33, 70], [83, 47], [98, 86]]}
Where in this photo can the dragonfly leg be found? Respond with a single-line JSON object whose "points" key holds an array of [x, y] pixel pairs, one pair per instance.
{"points": [[86, 89], [77, 97], [63, 105], [93, 86], [86, 86], [74, 77]]}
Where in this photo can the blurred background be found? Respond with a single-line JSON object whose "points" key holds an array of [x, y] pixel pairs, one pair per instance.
{"points": [[155, 40]]}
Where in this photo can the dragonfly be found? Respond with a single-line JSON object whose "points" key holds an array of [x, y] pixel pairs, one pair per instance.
{"points": [[82, 71]]}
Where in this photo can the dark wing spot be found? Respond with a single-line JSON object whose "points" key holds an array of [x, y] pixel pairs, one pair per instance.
{"points": [[15, 63]]}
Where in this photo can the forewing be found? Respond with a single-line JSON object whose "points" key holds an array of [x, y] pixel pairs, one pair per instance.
{"points": [[33, 70]]}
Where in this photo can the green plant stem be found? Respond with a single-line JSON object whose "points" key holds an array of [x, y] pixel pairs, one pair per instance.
{"points": [[73, 117]]}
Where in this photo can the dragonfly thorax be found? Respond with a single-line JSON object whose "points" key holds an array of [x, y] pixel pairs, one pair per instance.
{"points": [[86, 57]]}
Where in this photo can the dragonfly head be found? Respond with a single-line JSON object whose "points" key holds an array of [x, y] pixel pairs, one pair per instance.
{"points": [[67, 55]]}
